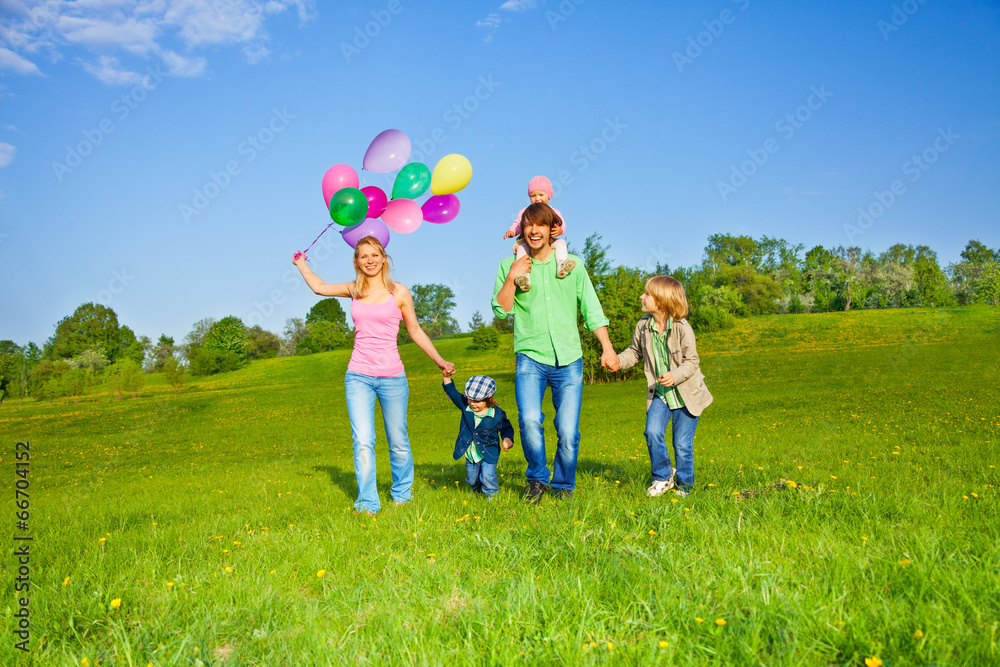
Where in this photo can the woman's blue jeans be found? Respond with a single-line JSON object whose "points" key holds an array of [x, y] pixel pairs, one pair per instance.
{"points": [[393, 394], [566, 381], [658, 416]]}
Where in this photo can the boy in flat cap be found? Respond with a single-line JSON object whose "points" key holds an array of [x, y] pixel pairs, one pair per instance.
{"points": [[484, 429]]}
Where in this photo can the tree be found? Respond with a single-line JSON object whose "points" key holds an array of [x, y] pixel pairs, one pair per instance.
{"points": [[595, 259], [977, 253], [224, 348], [124, 375], [262, 344], [433, 305], [476, 321], [295, 331], [326, 328], [174, 372], [195, 339], [90, 326], [619, 297], [165, 349], [327, 310], [504, 324], [725, 250], [486, 338], [931, 282]]}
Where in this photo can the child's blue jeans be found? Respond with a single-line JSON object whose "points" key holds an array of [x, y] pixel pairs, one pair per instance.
{"points": [[482, 477], [658, 417]]}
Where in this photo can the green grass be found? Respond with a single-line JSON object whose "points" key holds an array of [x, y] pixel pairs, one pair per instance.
{"points": [[886, 421]]}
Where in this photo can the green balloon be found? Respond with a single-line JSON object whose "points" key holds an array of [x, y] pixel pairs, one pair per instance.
{"points": [[348, 206], [411, 181]]}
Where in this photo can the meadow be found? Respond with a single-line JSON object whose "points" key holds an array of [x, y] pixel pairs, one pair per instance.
{"points": [[845, 513]]}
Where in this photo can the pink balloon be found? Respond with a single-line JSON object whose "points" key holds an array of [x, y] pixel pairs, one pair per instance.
{"points": [[403, 215], [367, 227], [337, 177], [441, 208], [376, 200], [388, 152]]}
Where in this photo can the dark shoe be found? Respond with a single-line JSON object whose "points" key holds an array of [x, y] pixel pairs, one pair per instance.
{"points": [[564, 494], [533, 494]]}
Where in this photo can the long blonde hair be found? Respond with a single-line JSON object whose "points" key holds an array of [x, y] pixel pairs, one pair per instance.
{"points": [[361, 286], [669, 296]]}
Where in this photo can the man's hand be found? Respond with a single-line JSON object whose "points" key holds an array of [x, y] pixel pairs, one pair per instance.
{"points": [[609, 360]]}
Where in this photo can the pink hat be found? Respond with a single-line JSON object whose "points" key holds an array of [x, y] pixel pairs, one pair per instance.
{"points": [[540, 183]]}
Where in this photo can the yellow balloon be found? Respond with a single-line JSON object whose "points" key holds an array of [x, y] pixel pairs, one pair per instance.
{"points": [[451, 174]]}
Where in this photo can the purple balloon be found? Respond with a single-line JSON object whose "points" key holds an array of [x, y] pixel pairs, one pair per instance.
{"points": [[388, 152], [367, 227], [441, 208], [376, 200]]}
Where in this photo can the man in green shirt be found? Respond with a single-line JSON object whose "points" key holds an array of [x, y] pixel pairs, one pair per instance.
{"points": [[547, 345]]}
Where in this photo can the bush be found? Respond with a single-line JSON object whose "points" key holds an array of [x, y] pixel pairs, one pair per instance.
{"points": [[486, 338], [208, 361], [711, 318]]}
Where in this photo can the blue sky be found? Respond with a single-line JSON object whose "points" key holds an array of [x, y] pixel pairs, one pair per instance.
{"points": [[668, 122]]}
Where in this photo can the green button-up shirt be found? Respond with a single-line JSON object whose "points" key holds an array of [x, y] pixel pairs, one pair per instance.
{"points": [[545, 316]]}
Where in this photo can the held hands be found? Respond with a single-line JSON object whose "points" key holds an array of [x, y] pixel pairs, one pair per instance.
{"points": [[507, 444], [609, 360], [447, 368], [446, 376], [667, 380]]}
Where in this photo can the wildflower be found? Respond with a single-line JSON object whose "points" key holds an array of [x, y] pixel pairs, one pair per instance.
{"points": [[320, 574], [791, 484], [66, 581], [711, 484], [873, 662], [975, 495], [699, 620], [84, 663], [720, 622], [611, 647], [652, 532], [918, 634], [229, 569], [170, 584], [673, 500], [904, 562], [664, 644], [430, 555], [117, 602]]}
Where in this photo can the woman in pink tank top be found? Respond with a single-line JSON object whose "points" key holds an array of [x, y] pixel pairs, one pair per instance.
{"points": [[375, 370]]}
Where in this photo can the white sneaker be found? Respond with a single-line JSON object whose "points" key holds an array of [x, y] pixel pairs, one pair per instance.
{"points": [[680, 492], [660, 487], [563, 268], [523, 281]]}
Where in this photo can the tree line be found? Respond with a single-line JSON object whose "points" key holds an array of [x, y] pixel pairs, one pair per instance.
{"points": [[738, 276]]}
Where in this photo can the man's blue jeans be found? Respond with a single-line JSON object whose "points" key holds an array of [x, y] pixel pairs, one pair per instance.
{"points": [[393, 394], [567, 396], [657, 418]]}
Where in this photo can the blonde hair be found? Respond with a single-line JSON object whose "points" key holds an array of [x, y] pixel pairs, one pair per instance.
{"points": [[361, 286], [669, 296]]}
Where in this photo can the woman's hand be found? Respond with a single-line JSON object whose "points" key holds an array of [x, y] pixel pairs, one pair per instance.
{"points": [[447, 368], [298, 258], [667, 380]]}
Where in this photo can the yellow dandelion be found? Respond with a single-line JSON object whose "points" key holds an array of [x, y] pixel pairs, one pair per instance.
{"points": [[84, 663], [117, 602], [673, 500], [611, 647], [229, 569], [430, 555], [320, 574], [102, 541], [652, 532], [873, 662], [720, 621], [664, 644], [791, 484], [975, 495], [711, 484], [66, 581], [170, 584], [904, 562], [699, 620], [918, 634]]}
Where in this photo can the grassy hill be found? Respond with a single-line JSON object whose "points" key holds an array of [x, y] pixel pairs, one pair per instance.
{"points": [[846, 508]]}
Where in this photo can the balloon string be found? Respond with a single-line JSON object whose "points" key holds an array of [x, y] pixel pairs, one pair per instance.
{"points": [[314, 241]]}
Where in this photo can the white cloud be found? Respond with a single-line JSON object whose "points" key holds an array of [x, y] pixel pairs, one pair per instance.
{"points": [[6, 154], [174, 30], [519, 5], [491, 21], [15, 63]]}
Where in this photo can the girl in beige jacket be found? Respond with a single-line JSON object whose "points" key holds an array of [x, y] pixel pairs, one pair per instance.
{"points": [[675, 389]]}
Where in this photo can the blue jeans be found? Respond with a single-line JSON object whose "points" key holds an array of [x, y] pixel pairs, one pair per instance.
{"points": [[657, 418], [393, 394], [567, 396], [482, 477]]}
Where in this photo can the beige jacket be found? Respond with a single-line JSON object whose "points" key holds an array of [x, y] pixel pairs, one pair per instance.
{"points": [[684, 364]]}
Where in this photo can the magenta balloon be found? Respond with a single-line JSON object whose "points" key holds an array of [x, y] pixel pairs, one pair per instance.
{"points": [[337, 177], [441, 208], [388, 152], [402, 215], [367, 227], [376, 200]]}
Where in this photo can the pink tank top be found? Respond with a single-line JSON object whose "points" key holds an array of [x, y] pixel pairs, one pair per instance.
{"points": [[375, 328]]}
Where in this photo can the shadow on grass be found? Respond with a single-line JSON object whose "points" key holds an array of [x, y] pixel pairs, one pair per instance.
{"points": [[345, 479]]}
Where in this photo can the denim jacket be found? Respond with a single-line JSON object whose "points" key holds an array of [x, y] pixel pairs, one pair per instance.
{"points": [[488, 435]]}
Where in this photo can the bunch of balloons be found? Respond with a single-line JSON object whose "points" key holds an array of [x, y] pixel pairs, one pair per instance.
{"points": [[368, 211]]}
